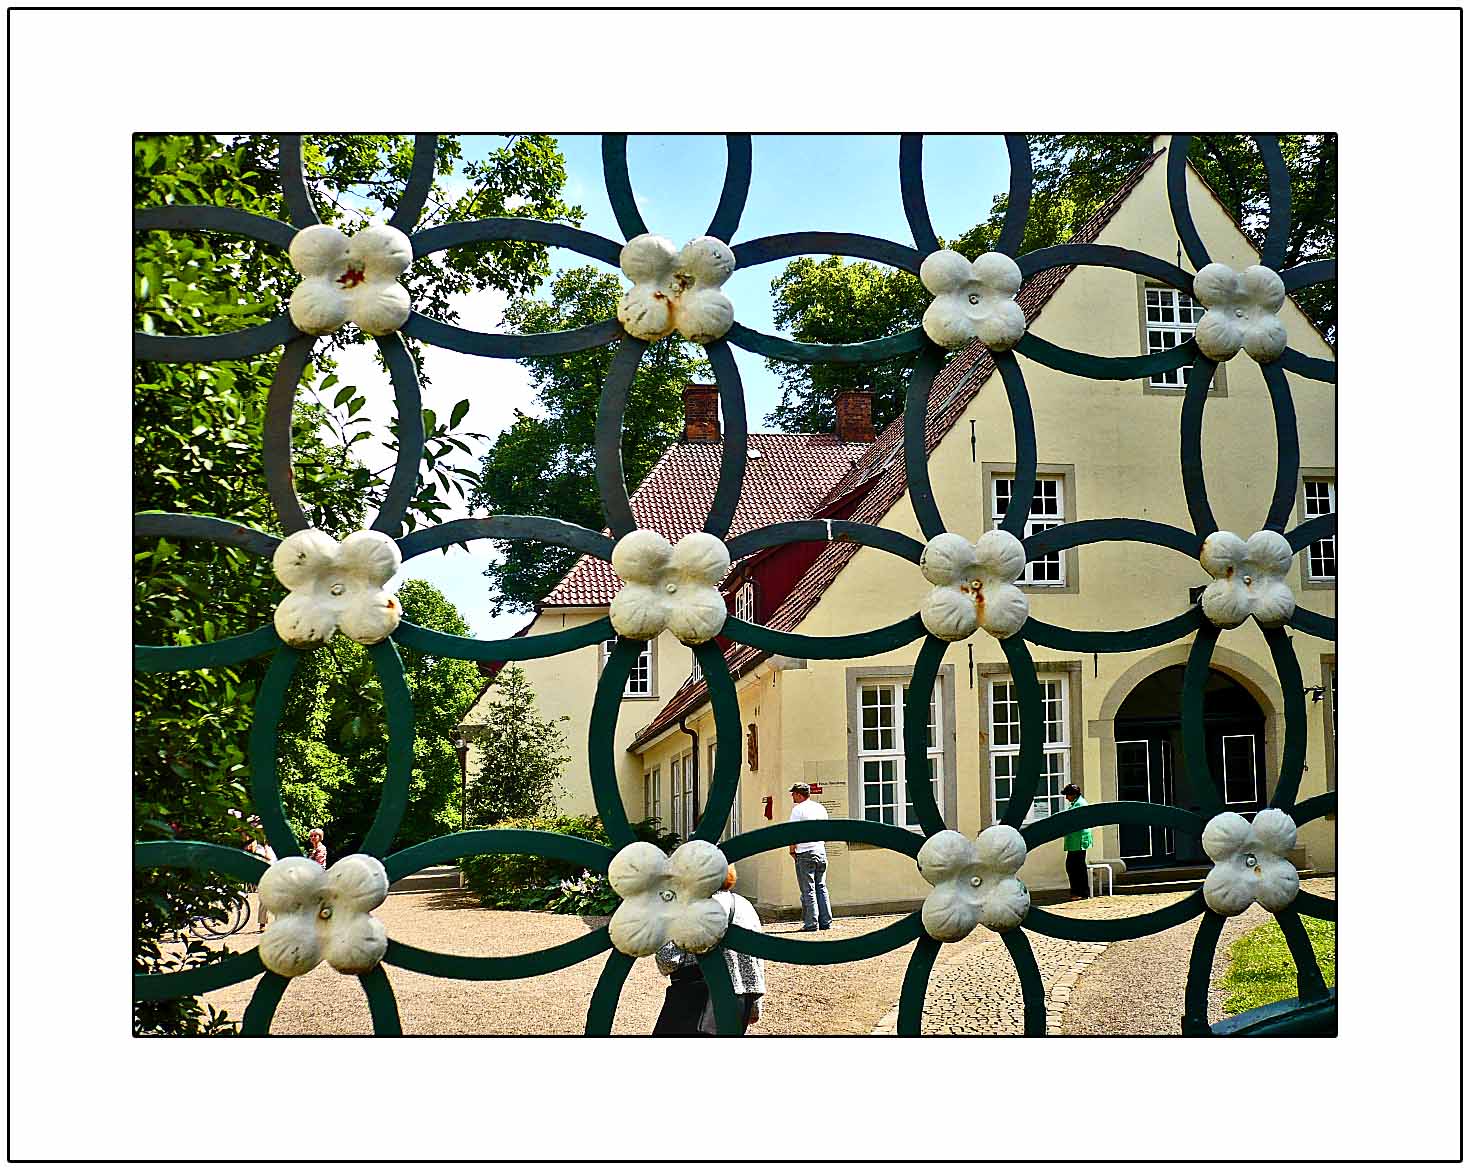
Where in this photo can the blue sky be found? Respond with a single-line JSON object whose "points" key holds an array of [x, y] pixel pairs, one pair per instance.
{"points": [[846, 183]]}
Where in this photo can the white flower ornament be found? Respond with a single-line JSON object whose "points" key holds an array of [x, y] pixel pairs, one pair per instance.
{"points": [[336, 587], [1251, 863], [676, 290], [321, 914], [974, 882], [352, 279], [669, 587], [1250, 579], [1241, 312], [667, 898], [974, 585], [973, 300]]}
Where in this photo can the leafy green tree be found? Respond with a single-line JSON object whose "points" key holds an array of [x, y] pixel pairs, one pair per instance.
{"points": [[333, 764], [521, 756], [834, 301], [196, 449], [543, 463]]}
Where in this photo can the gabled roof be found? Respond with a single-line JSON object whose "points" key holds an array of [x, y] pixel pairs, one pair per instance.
{"points": [[881, 474], [784, 482]]}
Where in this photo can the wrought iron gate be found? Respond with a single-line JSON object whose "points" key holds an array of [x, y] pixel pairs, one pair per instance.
{"points": [[1315, 1008]]}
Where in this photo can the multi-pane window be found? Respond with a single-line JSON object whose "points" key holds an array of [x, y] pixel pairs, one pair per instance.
{"points": [[696, 672], [1319, 498], [681, 779], [640, 681], [1005, 746], [745, 602], [732, 825], [1048, 509], [653, 793], [881, 765], [1169, 319]]}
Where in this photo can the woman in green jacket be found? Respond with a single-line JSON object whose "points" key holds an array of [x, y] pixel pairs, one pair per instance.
{"points": [[1077, 844]]}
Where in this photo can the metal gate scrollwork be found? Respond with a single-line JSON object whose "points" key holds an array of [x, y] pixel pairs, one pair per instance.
{"points": [[1246, 312]]}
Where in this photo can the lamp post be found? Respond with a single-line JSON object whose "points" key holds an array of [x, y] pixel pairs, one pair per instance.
{"points": [[462, 750]]}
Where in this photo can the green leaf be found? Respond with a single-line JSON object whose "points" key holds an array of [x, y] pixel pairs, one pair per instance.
{"points": [[461, 408]]}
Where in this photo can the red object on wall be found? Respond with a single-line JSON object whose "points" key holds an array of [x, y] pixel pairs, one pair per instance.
{"points": [[816, 790], [769, 815]]}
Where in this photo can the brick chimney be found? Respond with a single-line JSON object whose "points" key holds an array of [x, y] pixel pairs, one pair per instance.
{"points": [[701, 413], [855, 416]]}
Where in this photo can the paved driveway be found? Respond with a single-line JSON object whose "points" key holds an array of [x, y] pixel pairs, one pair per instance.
{"points": [[1126, 988]]}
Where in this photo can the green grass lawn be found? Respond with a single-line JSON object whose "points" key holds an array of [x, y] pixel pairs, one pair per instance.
{"points": [[1261, 970]]}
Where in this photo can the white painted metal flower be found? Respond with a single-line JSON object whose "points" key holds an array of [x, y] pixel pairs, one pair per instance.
{"points": [[1251, 863], [669, 587], [321, 914], [676, 289], [1250, 579], [1241, 312], [336, 587], [974, 882], [974, 585], [973, 300], [350, 279], [667, 898]]}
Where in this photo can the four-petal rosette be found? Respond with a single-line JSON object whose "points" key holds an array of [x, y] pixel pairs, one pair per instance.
{"points": [[670, 586], [321, 914], [1241, 312], [336, 587], [1251, 861], [667, 898], [676, 290], [973, 300], [975, 882], [974, 585], [1249, 579], [350, 278]]}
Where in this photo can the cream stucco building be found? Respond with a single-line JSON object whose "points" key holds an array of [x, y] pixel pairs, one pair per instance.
{"points": [[1105, 449]]}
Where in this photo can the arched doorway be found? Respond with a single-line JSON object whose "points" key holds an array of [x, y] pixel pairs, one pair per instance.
{"points": [[1150, 757]]}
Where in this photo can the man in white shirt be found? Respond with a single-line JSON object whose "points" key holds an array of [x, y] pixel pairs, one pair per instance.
{"points": [[811, 863]]}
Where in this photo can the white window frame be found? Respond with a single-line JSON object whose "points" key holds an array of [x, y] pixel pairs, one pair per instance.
{"points": [[732, 824], [745, 602], [1048, 571], [1006, 746], [696, 671], [681, 809], [1161, 301], [891, 697], [640, 684], [1318, 550]]}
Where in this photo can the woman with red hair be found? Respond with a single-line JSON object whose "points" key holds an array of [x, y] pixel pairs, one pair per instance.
{"points": [[688, 1009]]}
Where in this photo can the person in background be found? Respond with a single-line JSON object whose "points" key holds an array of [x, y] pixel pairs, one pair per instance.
{"points": [[318, 850], [688, 1008], [253, 844], [1076, 845], [811, 863]]}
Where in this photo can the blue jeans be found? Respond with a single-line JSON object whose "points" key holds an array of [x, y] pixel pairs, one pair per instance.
{"points": [[811, 880]]}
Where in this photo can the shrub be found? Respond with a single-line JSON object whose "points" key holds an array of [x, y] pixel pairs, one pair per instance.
{"points": [[519, 881]]}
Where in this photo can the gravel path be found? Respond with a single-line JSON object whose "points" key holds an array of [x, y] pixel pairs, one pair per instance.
{"points": [[1131, 988], [1136, 987], [844, 999]]}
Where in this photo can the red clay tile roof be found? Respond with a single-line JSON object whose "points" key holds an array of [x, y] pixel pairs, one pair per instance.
{"points": [[791, 475], [882, 468]]}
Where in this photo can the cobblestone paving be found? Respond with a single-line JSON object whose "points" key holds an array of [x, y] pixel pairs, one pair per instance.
{"points": [[974, 991], [1136, 986], [1129, 988]]}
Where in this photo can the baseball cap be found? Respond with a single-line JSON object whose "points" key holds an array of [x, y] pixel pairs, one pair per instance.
{"points": [[804, 789]]}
